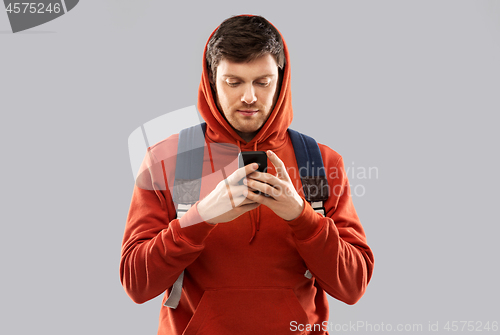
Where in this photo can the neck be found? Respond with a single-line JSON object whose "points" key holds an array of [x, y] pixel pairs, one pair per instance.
{"points": [[246, 136]]}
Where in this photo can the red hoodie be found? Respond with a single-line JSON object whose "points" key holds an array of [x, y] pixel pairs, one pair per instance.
{"points": [[245, 276]]}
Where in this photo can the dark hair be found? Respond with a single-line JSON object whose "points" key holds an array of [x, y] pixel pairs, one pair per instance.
{"points": [[242, 39]]}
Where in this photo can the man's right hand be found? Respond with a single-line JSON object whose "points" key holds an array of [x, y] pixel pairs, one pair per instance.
{"points": [[229, 199]]}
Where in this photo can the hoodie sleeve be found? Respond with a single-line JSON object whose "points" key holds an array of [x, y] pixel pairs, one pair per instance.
{"points": [[334, 247], [155, 249]]}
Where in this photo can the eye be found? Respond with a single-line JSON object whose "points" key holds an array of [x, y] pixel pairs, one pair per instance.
{"points": [[263, 84], [232, 84]]}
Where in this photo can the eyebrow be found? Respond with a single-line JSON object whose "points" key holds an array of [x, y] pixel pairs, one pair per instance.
{"points": [[237, 77]]}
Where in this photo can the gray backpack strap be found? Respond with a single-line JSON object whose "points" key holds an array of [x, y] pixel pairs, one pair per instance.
{"points": [[189, 167], [311, 169], [187, 185], [175, 294]]}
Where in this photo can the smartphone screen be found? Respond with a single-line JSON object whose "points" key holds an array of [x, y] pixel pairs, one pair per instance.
{"points": [[248, 157]]}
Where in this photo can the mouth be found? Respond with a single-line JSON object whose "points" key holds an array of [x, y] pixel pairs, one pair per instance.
{"points": [[247, 112]]}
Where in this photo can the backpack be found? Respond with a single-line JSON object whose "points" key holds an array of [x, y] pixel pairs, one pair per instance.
{"points": [[188, 175]]}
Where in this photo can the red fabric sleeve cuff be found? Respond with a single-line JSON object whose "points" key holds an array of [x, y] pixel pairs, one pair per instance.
{"points": [[192, 228], [307, 224]]}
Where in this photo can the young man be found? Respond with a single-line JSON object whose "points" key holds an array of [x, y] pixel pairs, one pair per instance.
{"points": [[262, 264]]}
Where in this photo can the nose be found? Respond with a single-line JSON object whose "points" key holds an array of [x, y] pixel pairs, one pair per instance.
{"points": [[249, 96]]}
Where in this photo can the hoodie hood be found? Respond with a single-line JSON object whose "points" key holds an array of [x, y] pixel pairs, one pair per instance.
{"points": [[272, 134]]}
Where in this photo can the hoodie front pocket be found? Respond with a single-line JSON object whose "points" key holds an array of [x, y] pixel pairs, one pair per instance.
{"points": [[247, 312]]}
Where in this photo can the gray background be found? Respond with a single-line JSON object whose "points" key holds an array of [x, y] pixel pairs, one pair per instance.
{"points": [[409, 87]]}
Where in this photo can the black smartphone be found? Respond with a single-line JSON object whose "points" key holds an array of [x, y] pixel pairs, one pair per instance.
{"points": [[248, 157]]}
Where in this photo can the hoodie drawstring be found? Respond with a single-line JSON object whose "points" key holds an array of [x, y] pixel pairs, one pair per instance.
{"points": [[255, 220]]}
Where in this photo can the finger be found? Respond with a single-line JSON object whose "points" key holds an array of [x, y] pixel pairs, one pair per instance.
{"points": [[237, 190], [247, 207], [244, 201], [261, 199], [278, 164], [262, 179], [238, 194], [266, 178], [274, 192], [245, 204], [249, 189], [240, 173]]}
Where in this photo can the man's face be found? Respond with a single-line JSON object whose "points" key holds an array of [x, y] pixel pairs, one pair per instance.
{"points": [[247, 92]]}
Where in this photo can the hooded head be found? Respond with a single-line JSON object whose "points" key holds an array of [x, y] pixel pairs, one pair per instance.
{"points": [[244, 95]]}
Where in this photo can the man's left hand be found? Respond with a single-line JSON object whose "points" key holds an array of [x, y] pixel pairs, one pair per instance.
{"points": [[282, 198]]}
